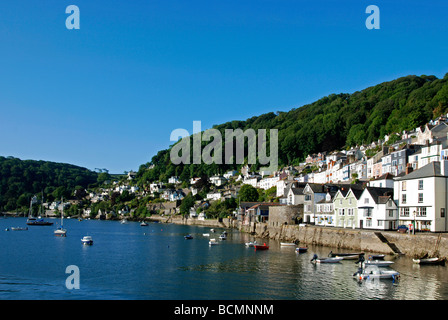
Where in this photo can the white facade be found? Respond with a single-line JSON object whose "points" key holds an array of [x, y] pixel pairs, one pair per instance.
{"points": [[423, 199], [377, 212]]}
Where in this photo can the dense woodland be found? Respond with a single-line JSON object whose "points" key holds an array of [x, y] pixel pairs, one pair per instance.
{"points": [[332, 123], [22, 179]]}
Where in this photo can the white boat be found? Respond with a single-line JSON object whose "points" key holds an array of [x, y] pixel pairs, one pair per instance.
{"points": [[206, 234], [378, 263], [61, 232], [143, 224], [123, 221], [87, 240], [212, 230], [287, 244], [374, 272], [223, 236], [19, 228], [316, 259], [251, 244], [213, 242], [352, 257]]}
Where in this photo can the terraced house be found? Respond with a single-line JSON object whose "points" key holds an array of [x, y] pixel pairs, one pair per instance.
{"points": [[346, 207]]}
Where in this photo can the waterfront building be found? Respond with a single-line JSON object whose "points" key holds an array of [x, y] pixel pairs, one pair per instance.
{"points": [[422, 197], [377, 209], [345, 204]]}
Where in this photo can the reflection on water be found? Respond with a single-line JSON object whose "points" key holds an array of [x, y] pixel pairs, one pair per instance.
{"points": [[127, 261]]}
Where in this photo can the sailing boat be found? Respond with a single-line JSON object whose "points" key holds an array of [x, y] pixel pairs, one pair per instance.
{"points": [[32, 221], [61, 232]]}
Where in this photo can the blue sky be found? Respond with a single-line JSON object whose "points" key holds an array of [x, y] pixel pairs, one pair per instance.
{"points": [[109, 94]]}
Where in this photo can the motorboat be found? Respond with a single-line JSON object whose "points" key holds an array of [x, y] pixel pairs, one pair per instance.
{"points": [[143, 224], [223, 236], [376, 257], [19, 228], [316, 259], [251, 243], [287, 244], [87, 240], [206, 234], [188, 237], [213, 242], [123, 221], [374, 272], [348, 255], [378, 263], [301, 250], [261, 247], [429, 261], [38, 222]]}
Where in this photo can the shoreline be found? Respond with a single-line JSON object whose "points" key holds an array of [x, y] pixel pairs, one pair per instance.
{"points": [[366, 240]]}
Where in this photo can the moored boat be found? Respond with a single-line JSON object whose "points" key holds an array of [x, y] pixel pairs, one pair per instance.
{"points": [[376, 273], [143, 224], [346, 254], [429, 261], [223, 236], [261, 247], [316, 259], [378, 263], [287, 244], [87, 240], [376, 257], [301, 250], [251, 243], [188, 237], [19, 228], [213, 242]]}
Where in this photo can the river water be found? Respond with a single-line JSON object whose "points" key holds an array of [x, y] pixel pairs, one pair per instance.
{"points": [[132, 262]]}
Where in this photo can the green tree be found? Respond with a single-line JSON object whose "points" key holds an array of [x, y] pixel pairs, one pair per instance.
{"points": [[248, 193]]}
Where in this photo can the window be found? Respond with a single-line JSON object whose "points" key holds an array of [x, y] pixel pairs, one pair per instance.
{"points": [[307, 197], [391, 213], [420, 184], [403, 198], [366, 200], [403, 185], [420, 197], [421, 211], [404, 212], [380, 223], [341, 212], [442, 212]]}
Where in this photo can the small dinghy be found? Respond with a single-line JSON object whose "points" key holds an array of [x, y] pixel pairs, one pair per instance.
{"points": [[430, 261], [251, 243], [378, 263], [287, 244], [213, 242], [261, 247], [301, 250], [316, 259], [188, 237]]}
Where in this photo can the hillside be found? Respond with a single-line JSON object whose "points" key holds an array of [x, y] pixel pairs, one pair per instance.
{"points": [[21, 179], [331, 123]]}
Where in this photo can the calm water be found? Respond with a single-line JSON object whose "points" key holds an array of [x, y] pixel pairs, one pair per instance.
{"points": [[128, 261]]}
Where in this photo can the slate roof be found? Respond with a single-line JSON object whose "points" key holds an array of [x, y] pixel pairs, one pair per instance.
{"points": [[432, 169]]}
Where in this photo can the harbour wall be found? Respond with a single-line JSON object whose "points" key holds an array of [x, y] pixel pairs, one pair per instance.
{"points": [[377, 241]]}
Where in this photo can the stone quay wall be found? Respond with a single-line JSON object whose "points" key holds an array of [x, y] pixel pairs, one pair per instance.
{"points": [[378, 241]]}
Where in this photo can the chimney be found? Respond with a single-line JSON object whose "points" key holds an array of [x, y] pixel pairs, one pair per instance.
{"points": [[409, 168]]}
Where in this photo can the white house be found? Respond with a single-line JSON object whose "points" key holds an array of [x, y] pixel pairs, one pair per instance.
{"points": [[377, 209], [217, 180], [268, 182], [214, 196], [325, 211], [422, 197], [385, 181], [174, 180]]}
